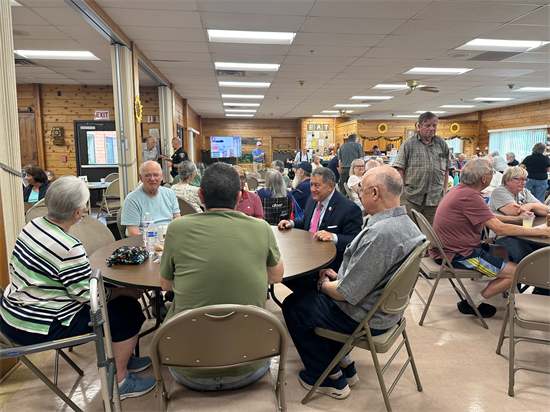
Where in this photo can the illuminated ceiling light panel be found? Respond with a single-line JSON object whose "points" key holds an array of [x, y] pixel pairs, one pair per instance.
{"points": [[407, 115], [351, 105], [238, 115], [371, 97], [502, 45], [242, 104], [56, 55], [241, 110], [242, 96], [437, 70], [433, 111], [257, 85], [324, 115], [336, 111], [247, 66], [532, 89], [255, 37], [457, 106], [493, 99], [392, 86]]}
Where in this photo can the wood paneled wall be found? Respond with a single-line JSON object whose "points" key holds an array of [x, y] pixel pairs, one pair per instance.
{"points": [[259, 129], [305, 121], [149, 96], [193, 119]]}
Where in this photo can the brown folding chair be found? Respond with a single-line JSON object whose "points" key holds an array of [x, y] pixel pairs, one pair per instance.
{"points": [[429, 269], [38, 210], [198, 339], [348, 190], [252, 182], [92, 233], [185, 207], [111, 177], [111, 199], [527, 311], [394, 300]]}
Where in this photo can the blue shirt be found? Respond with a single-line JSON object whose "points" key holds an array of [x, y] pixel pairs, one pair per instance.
{"points": [[333, 165], [301, 198], [258, 152]]}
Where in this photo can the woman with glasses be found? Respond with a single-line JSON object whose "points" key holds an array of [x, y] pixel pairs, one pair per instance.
{"points": [[183, 189], [538, 166], [513, 199], [250, 203], [357, 170]]}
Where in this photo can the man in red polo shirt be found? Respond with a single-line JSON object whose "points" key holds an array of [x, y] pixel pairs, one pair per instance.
{"points": [[250, 203]]}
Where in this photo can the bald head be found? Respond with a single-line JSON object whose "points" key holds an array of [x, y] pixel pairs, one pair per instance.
{"points": [[381, 189]]}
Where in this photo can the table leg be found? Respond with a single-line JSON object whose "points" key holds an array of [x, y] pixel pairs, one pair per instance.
{"points": [[159, 302], [272, 293]]}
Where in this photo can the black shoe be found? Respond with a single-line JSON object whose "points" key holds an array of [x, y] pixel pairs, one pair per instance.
{"points": [[169, 296], [485, 310]]}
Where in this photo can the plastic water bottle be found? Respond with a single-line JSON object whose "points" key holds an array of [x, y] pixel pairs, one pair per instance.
{"points": [[151, 237], [456, 180], [144, 224]]}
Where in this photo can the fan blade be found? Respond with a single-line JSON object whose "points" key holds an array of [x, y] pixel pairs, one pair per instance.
{"points": [[429, 89], [409, 92]]}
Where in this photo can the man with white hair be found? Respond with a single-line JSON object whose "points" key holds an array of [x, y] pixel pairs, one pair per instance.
{"points": [[500, 164], [459, 222], [316, 163], [280, 166], [511, 159], [150, 152], [150, 197]]}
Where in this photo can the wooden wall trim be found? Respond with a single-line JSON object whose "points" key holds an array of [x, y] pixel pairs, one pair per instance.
{"points": [[97, 8], [38, 127]]}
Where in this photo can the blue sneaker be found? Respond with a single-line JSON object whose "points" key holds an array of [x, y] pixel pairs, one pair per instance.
{"points": [[138, 364], [335, 388], [135, 386], [350, 373]]}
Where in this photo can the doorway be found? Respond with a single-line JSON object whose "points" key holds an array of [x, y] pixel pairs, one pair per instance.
{"points": [[27, 137]]}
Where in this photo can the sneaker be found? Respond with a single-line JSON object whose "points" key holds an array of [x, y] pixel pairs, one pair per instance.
{"points": [[138, 364], [350, 373], [135, 386], [485, 310], [335, 388]]}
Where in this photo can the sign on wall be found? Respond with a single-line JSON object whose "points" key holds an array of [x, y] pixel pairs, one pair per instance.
{"points": [[102, 115], [318, 127]]}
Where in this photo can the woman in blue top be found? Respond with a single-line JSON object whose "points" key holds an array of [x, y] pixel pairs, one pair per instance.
{"points": [[274, 185], [38, 184], [538, 166]]}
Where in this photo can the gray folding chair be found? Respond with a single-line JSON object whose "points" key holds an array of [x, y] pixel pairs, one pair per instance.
{"points": [[252, 182], [120, 226], [185, 207], [111, 177], [394, 300], [198, 339], [429, 269], [38, 210], [111, 199], [101, 336], [92, 233], [527, 311], [348, 190]]}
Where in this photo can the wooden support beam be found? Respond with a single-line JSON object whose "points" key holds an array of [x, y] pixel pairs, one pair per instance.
{"points": [[97, 8], [39, 129]]}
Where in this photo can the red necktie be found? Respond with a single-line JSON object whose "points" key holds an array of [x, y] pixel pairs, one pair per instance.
{"points": [[316, 217]]}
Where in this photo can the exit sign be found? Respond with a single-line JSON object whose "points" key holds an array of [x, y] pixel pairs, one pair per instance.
{"points": [[102, 115]]}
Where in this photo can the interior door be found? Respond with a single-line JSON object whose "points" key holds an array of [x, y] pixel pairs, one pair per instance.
{"points": [[27, 137]]}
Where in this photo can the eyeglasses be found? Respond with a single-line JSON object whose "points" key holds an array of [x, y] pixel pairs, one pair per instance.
{"points": [[361, 189], [242, 177], [520, 180], [360, 167], [150, 175]]}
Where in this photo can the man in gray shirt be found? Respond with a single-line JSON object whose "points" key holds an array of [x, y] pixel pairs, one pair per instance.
{"points": [[346, 154], [344, 298], [150, 152]]}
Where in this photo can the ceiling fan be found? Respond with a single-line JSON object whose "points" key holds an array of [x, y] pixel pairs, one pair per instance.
{"points": [[415, 85], [343, 113]]}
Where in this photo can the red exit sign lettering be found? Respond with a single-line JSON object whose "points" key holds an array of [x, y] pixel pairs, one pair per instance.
{"points": [[102, 115]]}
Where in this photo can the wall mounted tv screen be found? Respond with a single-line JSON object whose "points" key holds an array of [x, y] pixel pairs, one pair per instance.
{"points": [[102, 148], [225, 147]]}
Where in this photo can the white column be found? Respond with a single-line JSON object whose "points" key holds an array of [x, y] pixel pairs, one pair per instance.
{"points": [[10, 155], [166, 119], [123, 88]]}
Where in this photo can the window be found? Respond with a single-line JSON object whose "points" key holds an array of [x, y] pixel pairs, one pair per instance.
{"points": [[102, 148], [518, 141], [456, 146]]}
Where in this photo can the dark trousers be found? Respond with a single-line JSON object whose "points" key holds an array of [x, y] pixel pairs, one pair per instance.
{"points": [[303, 312], [344, 176]]}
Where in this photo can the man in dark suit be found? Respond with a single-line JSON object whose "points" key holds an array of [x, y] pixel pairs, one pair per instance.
{"points": [[330, 216]]}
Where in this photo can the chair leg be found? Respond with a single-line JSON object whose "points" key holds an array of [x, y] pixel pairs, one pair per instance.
{"points": [[56, 367], [380, 377], [512, 345], [145, 304], [471, 302], [281, 390], [503, 329], [49, 383], [413, 363], [162, 396], [71, 362], [432, 293]]}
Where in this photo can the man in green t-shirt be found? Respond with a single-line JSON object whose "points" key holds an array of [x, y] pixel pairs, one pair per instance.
{"points": [[221, 256]]}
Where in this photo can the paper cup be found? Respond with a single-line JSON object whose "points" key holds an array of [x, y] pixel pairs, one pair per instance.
{"points": [[102, 180]]}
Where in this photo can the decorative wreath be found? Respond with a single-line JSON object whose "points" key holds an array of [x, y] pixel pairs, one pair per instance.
{"points": [[455, 128], [382, 128], [139, 109]]}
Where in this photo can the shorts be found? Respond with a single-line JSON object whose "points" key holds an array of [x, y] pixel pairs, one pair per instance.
{"points": [[481, 260]]}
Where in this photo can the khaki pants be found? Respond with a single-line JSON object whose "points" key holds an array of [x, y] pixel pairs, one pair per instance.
{"points": [[427, 211], [257, 166]]}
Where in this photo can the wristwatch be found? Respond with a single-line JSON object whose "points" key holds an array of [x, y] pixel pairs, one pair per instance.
{"points": [[320, 286]]}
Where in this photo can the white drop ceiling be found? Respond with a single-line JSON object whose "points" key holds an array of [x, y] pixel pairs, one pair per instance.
{"points": [[342, 48]]}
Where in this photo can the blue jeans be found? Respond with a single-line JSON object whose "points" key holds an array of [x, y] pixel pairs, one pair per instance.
{"points": [[221, 384], [538, 188], [303, 312]]}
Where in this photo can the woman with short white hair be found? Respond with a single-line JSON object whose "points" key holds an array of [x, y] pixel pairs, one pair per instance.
{"points": [[183, 189], [357, 169]]}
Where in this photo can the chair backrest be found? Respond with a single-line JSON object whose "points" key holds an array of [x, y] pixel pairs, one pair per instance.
{"points": [[92, 233], [262, 173], [120, 226], [547, 201], [235, 335], [277, 209], [111, 177], [113, 189], [428, 231], [185, 207], [252, 182], [533, 269], [348, 191], [256, 175], [38, 210]]}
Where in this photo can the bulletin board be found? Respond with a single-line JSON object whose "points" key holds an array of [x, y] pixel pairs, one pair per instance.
{"points": [[317, 142]]}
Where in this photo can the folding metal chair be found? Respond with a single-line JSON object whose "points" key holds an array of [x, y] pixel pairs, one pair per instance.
{"points": [[185, 207], [394, 300], [198, 339], [101, 336], [527, 311], [429, 269]]}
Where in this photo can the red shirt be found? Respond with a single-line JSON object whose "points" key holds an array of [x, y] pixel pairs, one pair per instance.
{"points": [[459, 221], [251, 205]]}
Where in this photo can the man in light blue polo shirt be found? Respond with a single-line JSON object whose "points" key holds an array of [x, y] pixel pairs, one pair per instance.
{"points": [[159, 202], [259, 156]]}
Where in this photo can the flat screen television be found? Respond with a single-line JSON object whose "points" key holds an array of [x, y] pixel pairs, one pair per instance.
{"points": [[221, 147]]}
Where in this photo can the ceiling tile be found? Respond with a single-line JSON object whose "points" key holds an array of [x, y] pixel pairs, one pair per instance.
{"points": [[530, 58], [83, 32], [327, 51], [315, 68], [473, 11], [403, 53], [60, 16], [182, 65], [419, 42], [258, 22], [346, 25], [371, 9], [284, 7], [69, 45], [177, 56], [172, 46], [312, 59], [519, 32], [170, 5], [445, 28], [40, 33], [539, 17], [163, 33], [337, 39], [27, 17], [154, 18]]}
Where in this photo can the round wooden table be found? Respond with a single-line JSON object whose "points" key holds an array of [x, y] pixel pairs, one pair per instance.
{"points": [[545, 241]]}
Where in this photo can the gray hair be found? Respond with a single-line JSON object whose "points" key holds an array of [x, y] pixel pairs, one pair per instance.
{"points": [[511, 154], [326, 174], [201, 168], [279, 165], [392, 185], [539, 148], [144, 165], [474, 170], [424, 117], [512, 172], [357, 162], [151, 138], [176, 139], [371, 164], [186, 170], [65, 196], [275, 184], [352, 137], [495, 153]]}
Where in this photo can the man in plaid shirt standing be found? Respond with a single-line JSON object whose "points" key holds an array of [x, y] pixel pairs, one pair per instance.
{"points": [[423, 162]]}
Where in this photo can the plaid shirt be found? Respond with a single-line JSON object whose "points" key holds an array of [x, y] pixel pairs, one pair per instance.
{"points": [[277, 209], [424, 166]]}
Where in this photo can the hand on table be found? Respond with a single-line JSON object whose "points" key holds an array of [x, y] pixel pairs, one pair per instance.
{"points": [[323, 236], [284, 224], [525, 208]]}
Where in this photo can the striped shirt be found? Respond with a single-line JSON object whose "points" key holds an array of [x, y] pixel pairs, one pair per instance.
{"points": [[50, 276]]}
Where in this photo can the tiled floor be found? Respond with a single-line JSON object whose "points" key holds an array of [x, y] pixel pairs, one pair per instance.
{"points": [[455, 356]]}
